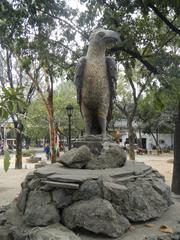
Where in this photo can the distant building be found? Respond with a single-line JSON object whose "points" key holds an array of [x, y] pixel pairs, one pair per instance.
{"points": [[165, 140], [7, 132]]}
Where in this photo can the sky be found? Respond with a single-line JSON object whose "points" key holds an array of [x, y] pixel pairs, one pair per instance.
{"points": [[76, 4]]}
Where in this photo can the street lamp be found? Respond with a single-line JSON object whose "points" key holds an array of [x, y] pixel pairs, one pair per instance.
{"points": [[69, 110]]}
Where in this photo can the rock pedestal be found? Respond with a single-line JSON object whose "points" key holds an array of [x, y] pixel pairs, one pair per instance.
{"points": [[82, 193], [93, 142], [94, 152]]}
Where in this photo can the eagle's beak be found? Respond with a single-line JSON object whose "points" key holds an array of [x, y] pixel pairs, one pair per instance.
{"points": [[111, 37]]}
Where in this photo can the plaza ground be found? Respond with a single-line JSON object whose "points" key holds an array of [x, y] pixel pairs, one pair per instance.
{"points": [[10, 182]]}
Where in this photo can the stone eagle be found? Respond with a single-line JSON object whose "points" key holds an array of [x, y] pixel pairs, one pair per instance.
{"points": [[95, 80]]}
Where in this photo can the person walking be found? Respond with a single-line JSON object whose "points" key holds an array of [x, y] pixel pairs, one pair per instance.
{"points": [[47, 151]]}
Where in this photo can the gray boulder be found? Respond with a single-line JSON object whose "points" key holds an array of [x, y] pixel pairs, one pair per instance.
{"points": [[62, 197], [138, 200], [96, 215], [118, 195], [89, 189], [76, 157], [21, 203], [164, 190], [54, 232], [145, 202], [112, 156], [4, 234], [17, 233], [29, 176], [34, 184], [3, 219], [40, 211]]}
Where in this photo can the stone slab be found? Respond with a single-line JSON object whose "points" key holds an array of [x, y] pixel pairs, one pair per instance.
{"points": [[68, 178], [131, 168], [62, 185]]}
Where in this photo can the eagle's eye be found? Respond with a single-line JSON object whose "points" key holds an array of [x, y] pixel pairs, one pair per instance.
{"points": [[101, 34]]}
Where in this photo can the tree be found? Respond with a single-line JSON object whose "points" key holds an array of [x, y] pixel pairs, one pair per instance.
{"points": [[41, 35], [11, 77], [12, 100], [130, 88], [156, 113], [36, 122], [66, 94], [149, 31]]}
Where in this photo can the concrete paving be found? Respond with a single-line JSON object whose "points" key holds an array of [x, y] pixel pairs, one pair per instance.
{"points": [[10, 181]]}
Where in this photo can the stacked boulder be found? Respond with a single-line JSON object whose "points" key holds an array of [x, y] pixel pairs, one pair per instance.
{"points": [[110, 156], [82, 193]]}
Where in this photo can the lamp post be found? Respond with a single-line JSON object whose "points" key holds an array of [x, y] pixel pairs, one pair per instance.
{"points": [[69, 110]]}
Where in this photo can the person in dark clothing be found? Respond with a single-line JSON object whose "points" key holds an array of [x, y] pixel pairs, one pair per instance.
{"points": [[47, 151]]}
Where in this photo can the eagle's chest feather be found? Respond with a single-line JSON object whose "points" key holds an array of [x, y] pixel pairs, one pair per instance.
{"points": [[95, 83]]}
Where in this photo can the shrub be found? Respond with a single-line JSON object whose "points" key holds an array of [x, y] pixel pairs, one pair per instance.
{"points": [[27, 153]]}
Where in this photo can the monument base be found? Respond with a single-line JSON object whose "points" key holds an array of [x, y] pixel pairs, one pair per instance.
{"points": [[94, 152], [93, 142], [102, 201]]}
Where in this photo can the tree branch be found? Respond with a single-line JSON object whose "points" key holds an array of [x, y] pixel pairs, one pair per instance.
{"points": [[122, 109], [38, 89], [128, 71], [138, 56], [70, 24], [30, 93], [9, 68], [164, 19]]}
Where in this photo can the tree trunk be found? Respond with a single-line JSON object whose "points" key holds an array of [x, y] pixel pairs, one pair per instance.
{"points": [[19, 128], [176, 168], [140, 137], [52, 138], [18, 163], [131, 141], [158, 147], [156, 142], [50, 109]]}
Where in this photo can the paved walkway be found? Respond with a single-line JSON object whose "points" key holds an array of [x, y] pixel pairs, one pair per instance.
{"points": [[163, 163], [10, 181]]}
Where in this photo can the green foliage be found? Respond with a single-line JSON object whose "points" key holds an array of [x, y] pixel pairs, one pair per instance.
{"points": [[7, 159], [36, 122], [149, 41], [12, 101], [65, 95], [156, 113], [28, 153], [39, 33]]}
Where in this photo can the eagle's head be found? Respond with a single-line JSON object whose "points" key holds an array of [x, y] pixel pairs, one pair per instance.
{"points": [[104, 37]]}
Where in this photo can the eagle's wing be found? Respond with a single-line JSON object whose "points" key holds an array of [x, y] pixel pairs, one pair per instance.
{"points": [[78, 78], [112, 77]]}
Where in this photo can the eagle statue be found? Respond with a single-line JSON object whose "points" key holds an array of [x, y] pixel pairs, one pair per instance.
{"points": [[95, 80]]}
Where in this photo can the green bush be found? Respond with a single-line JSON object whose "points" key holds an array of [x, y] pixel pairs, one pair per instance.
{"points": [[27, 153]]}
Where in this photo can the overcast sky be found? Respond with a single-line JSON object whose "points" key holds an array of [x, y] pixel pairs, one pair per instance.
{"points": [[76, 4]]}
